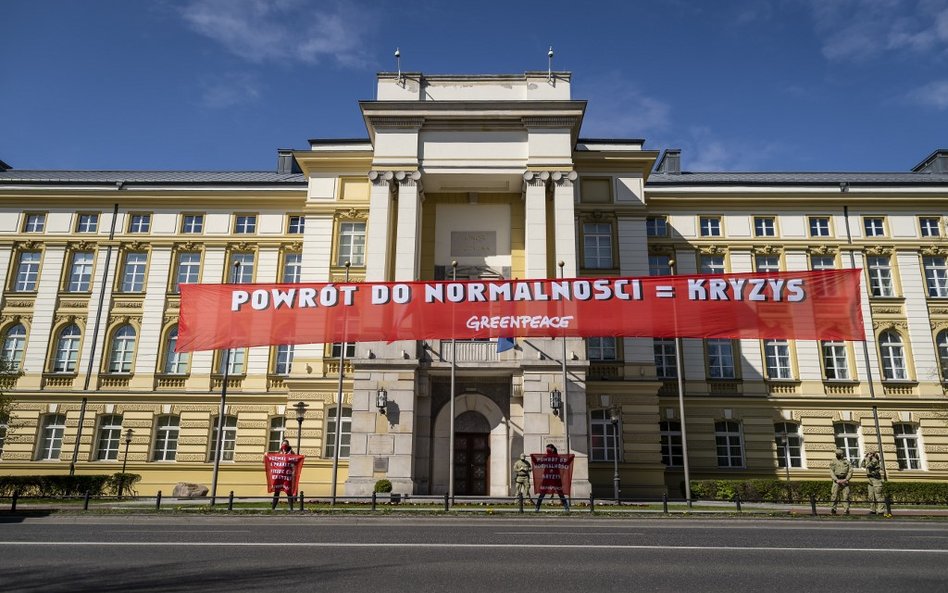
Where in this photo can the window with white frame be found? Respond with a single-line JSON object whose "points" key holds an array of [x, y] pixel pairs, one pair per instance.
{"points": [[930, 226], [846, 435], [133, 271], [27, 271], [284, 359], [80, 272], [711, 264], [822, 262], [109, 437], [192, 224], [87, 223], [139, 223], [835, 360], [597, 245], [234, 360], [941, 340], [167, 429], [277, 433], [52, 429], [874, 226], [936, 276], [34, 223], [187, 270], [337, 350], [720, 353], [906, 446], [893, 356], [819, 226], [602, 436], [245, 224], [242, 274], [67, 350], [880, 276], [14, 343], [656, 226], [345, 431], [176, 363], [767, 263], [710, 226], [777, 357], [602, 348], [765, 226], [659, 265], [351, 244], [672, 451], [292, 267], [122, 352], [789, 444], [295, 225], [729, 443], [228, 439], [666, 362]]}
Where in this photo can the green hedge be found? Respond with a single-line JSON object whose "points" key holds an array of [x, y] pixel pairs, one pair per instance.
{"points": [[800, 491], [383, 485], [62, 485], [124, 481]]}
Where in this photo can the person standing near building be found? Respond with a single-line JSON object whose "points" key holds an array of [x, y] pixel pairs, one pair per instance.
{"points": [[842, 472], [874, 474], [285, 449], [550, 452], [522, 469]]}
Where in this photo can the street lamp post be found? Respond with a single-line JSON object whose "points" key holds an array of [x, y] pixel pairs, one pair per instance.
{"points": [[614, 414], [128, 440], [300, 413]]}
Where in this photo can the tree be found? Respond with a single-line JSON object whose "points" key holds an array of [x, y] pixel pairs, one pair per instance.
{"points": [[8, 376]]}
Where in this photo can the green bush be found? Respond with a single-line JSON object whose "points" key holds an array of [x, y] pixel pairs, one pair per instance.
{"points": [[125, 481], [383, 486], [46, 486], [801, 490]]}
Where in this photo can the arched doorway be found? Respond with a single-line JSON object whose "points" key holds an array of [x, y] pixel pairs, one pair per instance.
{"points": [[471, 454], [477, 415]]}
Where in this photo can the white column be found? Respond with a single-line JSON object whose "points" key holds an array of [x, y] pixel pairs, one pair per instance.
{"points": [[564, 221], [408, 232], [535, 260], [377, 244]]}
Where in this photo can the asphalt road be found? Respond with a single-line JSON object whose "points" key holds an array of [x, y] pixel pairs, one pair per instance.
{"points": [[549, 554]]}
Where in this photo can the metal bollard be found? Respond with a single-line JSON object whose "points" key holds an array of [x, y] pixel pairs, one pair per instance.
{"points": [[665, 503], [374, 495], [520, 502], [302, 502], [230, 501], [85, 501], [158, 501], [813, 504], [16, 495], [737, 501], [447, 507], [888, 504]]}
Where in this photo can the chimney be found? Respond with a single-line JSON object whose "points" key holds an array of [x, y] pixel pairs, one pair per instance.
{"points": [[286, 163], [936, 162], [670, 163]]}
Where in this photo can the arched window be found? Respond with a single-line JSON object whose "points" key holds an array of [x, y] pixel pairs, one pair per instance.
{"points": [[123, 350], [176, 363], [67, 350], [789, 444], [942, 341], [13, 344], [51, 436], [846, 435], [893, 356]]}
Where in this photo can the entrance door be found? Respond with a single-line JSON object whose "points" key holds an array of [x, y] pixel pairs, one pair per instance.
{"points": [[471, 453]]}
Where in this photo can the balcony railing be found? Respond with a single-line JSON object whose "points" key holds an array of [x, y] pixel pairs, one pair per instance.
{"points": [[470, 351]]}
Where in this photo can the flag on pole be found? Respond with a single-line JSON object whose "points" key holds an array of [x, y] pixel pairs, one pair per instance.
{"points": [[505, 344]]}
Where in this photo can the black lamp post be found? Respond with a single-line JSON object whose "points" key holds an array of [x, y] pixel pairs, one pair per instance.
{"points": [[300, 413], [128, 441], [614, 415]]}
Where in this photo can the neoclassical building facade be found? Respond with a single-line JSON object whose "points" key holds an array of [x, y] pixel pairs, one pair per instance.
{"points": [[489, 172]]}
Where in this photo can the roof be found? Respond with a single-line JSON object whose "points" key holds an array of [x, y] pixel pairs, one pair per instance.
{"points": [[151, 177], [726, 178]]}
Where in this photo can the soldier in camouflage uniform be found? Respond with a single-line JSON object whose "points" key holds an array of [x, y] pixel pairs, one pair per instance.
{"points": [[874, 474], [841, 471], [522, 470]]}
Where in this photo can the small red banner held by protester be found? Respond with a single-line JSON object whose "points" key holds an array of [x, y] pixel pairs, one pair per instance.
{"points": [[552, 474], [283, 472]]}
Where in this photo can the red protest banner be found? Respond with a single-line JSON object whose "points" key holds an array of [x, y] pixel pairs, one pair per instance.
{"points": [[813, 305], [283, 472], [552, 474]]}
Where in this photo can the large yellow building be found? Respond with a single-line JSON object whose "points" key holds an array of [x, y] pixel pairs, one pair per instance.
{"points": [[487, 171]]}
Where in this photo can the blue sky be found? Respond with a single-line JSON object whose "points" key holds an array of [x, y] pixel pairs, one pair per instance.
{"points": [[744, 85]]}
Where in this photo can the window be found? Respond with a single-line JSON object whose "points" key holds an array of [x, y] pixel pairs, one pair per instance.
{"points": [[930, 226], [229, 439], [880, 276], [284, 359], [337, 349], [602, 436], [672, 452], [710, 226], [789, 444], [767, 263], [666, 365], [87, 223], [597, 245], [245, 224], [109, 437], [729, 443], [67, 350], [139, 223], [188, 270], [345, 431], [295, 225], [277, 433], [242, 274], [51, 436], [234, 359], [27, 271], [123, 350], [34, 223], [80, 272], [941, 340], [133, 272], [822, 262], [351, 243], [847, 439], [835, 361], [14, 342], [874, 226], [656, 226], [601, 348], [659, 265], [764, 226], [176, 363], [893, 356], [192, 224], [906, 446], [292, 267], [166, 438], [711, 264], [3, 437], [936, 276], [819, 226], [777, 356], [720, 359]]}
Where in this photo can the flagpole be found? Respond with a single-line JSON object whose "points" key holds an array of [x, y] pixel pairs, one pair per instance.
{"points": [[680, 372], [454, 350], [338, 437], [219, 440], [565, 385]]}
